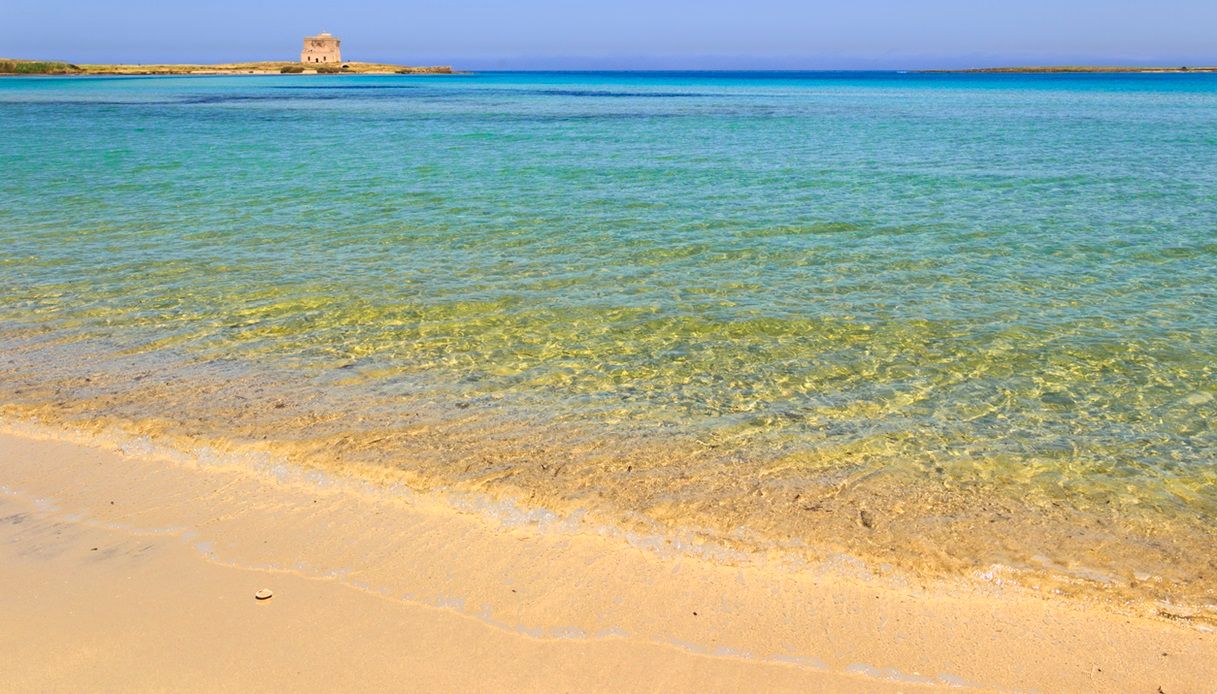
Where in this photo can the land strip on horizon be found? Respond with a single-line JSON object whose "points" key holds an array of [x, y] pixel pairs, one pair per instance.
{"points": [[1077, 69], [10, 66], [35, 67]]}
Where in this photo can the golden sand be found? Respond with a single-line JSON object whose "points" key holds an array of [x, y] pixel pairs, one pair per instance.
{"points": [[138, 568]]}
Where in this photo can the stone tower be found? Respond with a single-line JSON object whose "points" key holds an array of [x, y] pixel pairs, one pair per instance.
{"points": [[322, 48]]}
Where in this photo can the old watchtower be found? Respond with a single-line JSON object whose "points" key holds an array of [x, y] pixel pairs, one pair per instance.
{"points": [[322, 48]]}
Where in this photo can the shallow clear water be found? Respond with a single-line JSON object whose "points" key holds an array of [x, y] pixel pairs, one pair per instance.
{"points": [[931, 320]]}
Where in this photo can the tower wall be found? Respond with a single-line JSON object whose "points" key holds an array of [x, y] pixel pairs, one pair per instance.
{"points": [[322, 49]]}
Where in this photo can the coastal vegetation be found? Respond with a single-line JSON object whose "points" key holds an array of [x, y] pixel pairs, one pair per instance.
{"points": [[35, 67]]}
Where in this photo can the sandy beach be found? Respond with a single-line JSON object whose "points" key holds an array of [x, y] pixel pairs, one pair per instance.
{"points": [[132, 567]]}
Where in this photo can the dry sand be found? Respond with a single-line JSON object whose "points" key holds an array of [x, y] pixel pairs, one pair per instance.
{"points": [[135, 569]]}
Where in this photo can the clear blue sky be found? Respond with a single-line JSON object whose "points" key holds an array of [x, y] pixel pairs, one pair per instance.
{"points": [[628, 34]]}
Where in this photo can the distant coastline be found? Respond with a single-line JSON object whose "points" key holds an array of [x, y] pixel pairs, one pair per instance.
{"points": [[37, 67], [1075, 69], [9, 67]]}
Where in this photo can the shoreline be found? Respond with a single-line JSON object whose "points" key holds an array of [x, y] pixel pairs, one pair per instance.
{"points": [[545, 591], [483, 461]]}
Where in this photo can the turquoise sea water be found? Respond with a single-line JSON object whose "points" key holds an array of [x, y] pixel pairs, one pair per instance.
{"points": [[947, 320]]}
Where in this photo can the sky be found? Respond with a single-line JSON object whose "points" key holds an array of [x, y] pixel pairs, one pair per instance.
{"points": [[624, 34]]}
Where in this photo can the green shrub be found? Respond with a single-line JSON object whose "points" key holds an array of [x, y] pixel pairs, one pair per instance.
{"points": [[35, 67], [328, 70], [292, 69]]}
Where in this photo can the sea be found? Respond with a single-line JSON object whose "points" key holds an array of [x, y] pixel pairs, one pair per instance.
{"points": [[929, 325]]}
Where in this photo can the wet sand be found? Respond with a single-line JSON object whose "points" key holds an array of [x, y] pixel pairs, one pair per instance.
{"points": [[125, 567]]}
